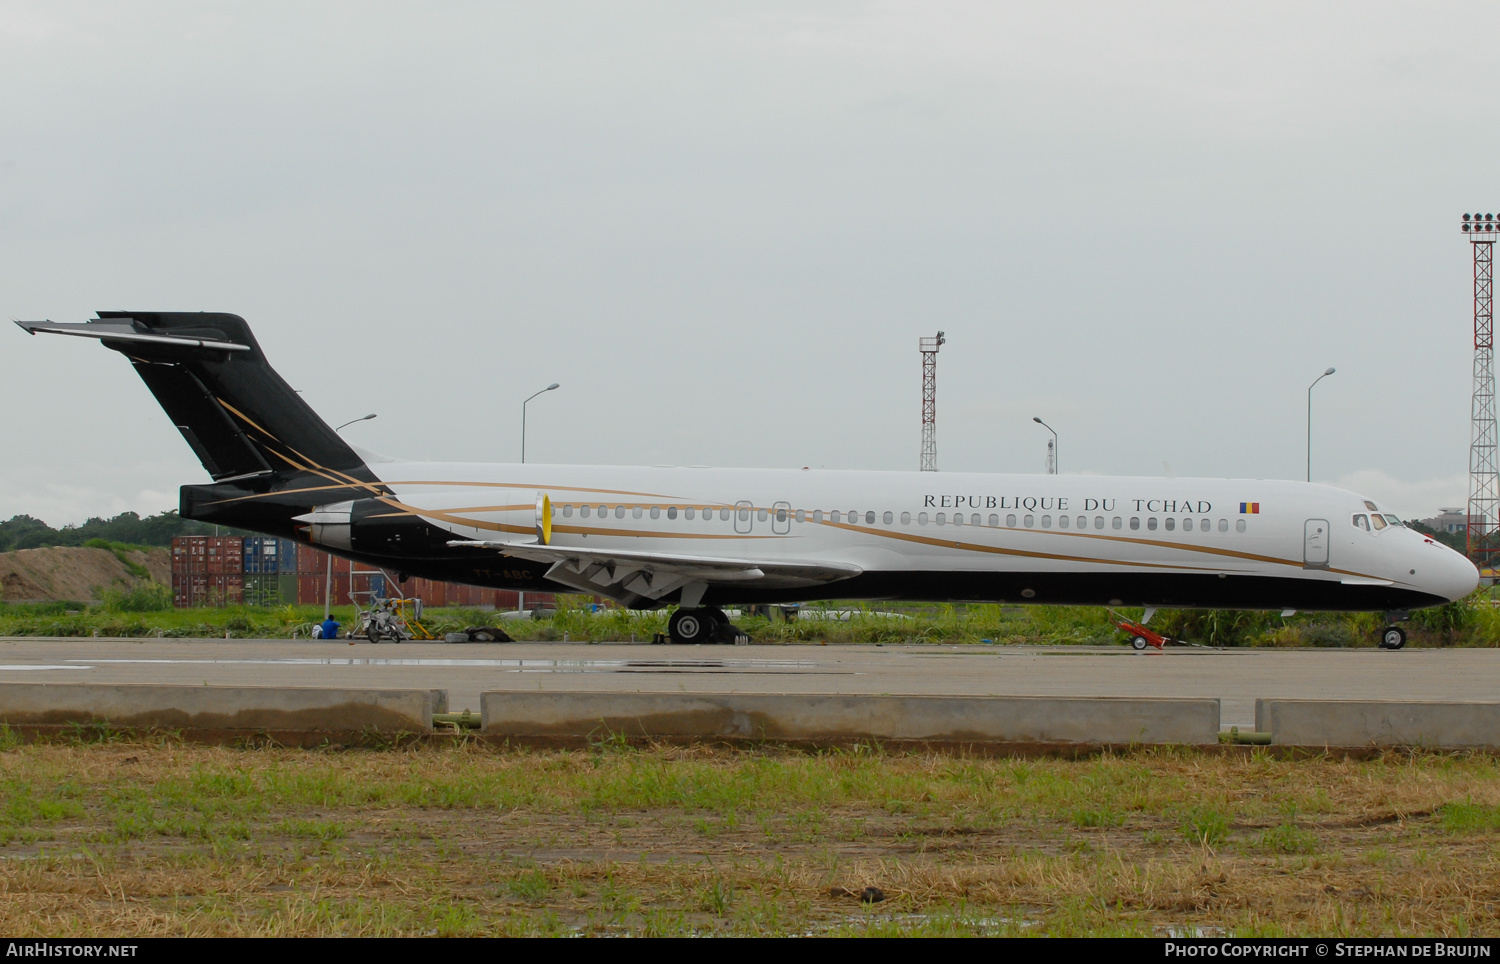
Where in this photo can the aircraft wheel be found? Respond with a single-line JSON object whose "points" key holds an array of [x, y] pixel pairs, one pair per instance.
{"points": [[1394, 637], [1139, 643], [690, 626]]}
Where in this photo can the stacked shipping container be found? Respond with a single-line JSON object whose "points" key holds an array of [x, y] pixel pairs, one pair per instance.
{"points": [[266, 571]]}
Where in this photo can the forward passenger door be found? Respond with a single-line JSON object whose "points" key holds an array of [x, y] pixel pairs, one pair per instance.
{"points": [[1315, 544]]}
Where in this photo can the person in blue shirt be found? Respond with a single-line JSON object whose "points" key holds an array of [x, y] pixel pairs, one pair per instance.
{"points": [[330, 628]]}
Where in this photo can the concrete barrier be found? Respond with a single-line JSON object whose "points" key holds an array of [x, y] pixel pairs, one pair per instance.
{"points": [[250, 708], [1365, 723], [827, 718]]}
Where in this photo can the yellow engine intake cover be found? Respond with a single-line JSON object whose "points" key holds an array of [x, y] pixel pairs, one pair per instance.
{"points": [[544, 519]]}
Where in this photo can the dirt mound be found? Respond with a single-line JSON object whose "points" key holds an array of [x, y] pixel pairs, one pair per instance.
{"points": [[76, 574]]}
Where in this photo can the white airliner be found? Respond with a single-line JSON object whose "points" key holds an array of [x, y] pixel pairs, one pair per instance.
{"points": [[701, 539]]}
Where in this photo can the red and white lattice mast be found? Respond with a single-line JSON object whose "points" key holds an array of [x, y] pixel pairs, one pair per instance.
{"points": [[930, 348], [1484, 472]]}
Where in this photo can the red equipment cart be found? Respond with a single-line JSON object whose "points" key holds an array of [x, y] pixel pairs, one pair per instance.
{"points": [[1140, 636]]}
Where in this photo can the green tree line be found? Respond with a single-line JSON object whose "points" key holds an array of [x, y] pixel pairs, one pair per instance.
{"points": [[26, 532]]}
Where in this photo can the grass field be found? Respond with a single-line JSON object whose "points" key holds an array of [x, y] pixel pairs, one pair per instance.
{"points": [[156, 837], [1472, 622]]}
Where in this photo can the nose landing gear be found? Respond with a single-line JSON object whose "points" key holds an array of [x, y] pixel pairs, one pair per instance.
{"points": [[1393, 637]]}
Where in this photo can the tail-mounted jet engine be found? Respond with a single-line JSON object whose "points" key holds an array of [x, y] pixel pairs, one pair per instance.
{"points": [[373, 527]]}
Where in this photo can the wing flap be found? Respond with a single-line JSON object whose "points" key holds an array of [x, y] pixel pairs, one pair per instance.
{"points": [[631, 575]]}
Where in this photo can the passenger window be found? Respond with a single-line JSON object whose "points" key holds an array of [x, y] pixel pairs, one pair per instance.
{"points": [[1116, 522], [1223, 525], [567, 512], [724, 515], [906, 518], [689, 513], [1010, 520], [994, 521], [1135, 522], [1171, 524], [1083, 522], [671, 512], [1098, 522], [1361, 522], [1187, 525], [583, 511], [942, 519], [762, 515], [1377, 521], [921, 518], [603, 511], [958, 518], [1046, 522], [1151, 523], [837, 516], [619, 512], [817, 515], [744, 513], [1062, 521], [870, 517], [635, 513], [801, 516], [656, 512], [780, 515], [1239, 525], [853, 517], [887, 518], [1029, 521]]}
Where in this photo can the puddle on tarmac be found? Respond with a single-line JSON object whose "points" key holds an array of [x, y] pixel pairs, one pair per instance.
{"points": [[513, 665]]}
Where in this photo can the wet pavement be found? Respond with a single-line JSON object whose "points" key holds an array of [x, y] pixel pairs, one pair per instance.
{"points": [[1236, 677]]}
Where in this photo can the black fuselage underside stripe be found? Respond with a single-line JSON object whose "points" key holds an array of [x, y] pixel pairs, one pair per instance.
{"points": [[1176, 590]]}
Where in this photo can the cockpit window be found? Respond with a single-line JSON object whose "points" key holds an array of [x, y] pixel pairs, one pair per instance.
{"points": [[1393, 520], [1362, 522], [1371, 506], [1375, 518]]}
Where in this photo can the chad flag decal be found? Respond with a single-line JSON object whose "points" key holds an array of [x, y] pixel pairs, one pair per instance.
{"points": [[1249, 508]]}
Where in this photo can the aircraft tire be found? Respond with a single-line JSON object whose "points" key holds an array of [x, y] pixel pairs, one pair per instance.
{"points": [[1139, 643], [688, 627], [1392, 637]]}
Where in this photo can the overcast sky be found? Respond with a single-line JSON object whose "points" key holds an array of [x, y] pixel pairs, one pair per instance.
{"points": [[724, 227]]}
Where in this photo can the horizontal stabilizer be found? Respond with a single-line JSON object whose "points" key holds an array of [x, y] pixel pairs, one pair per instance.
{"points": [[127, 331]]}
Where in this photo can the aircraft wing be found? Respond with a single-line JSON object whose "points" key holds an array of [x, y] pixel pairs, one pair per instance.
{"points": [[630, 576]]}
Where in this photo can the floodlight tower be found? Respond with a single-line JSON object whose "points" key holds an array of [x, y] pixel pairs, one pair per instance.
{"points": [[1483, 523], [930, 348]]}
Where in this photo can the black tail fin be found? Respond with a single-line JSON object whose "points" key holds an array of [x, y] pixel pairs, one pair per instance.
{"points": [[211, 377]]}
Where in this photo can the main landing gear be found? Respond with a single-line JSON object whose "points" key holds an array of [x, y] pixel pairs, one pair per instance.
{"points": [[703, 625]]}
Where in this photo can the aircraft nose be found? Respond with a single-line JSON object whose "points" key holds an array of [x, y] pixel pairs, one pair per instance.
{"points": [[1451, 575]]}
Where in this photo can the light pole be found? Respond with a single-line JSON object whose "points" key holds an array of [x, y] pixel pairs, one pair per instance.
{"points": [[549, 388], [1052, 461], [328, 579], [362, 418], [1309, 420]]}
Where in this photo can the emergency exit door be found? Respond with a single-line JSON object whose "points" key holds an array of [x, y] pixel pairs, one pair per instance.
{"points": [[1315, 544]]}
